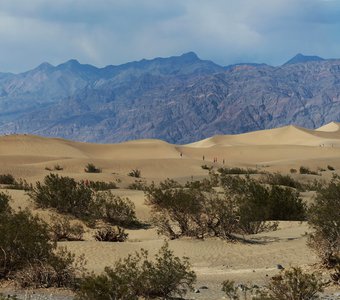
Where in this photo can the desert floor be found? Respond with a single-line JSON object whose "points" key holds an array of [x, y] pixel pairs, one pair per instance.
{"points": [[214, 260]]}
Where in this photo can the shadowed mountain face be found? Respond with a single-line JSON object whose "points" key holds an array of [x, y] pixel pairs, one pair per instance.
{"points": [[177, 99]]}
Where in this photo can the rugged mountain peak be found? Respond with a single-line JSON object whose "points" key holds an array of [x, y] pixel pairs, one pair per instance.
{"points": [[178, 99], [300, 58], [189, 56], [72, 63], [45, 66]]}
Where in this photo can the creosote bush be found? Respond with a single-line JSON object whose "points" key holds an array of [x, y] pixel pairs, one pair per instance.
{"points": [[68, 196], [330, 168], [64, 194], [293, 171], [306, 170], [63, 230], [110, 234], [63, 269], [7, 179], [135, 173], [18, 247], [140, 185], [197, 210], [258, 204], [4, 204], [91, 168], [279, 179], [27, 253], [101, 185], [58, 167], [138, 277], [237, 171], [324, 219], [14, 184], [295, 285], [114, 209], [292, 284], [244, 291], [179, 211]]}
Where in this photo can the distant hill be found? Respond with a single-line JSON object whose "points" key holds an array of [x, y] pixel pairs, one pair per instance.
{"points": [[300, 58], [179, 99]]}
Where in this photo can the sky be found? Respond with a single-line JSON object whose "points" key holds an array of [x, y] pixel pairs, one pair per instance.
{"points": [[104, 32]]}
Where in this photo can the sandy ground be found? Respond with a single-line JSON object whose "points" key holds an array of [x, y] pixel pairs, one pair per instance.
{"points": [[214, 260]]}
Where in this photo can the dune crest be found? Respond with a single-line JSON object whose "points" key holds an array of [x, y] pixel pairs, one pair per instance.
{"points": [[288, 135], [330, 127]]}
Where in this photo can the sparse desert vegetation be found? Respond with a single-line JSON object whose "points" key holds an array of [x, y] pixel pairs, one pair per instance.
{"points": [[137, 276], [91, 168], [235, 223]]}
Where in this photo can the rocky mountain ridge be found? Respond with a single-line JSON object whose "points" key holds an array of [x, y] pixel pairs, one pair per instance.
{"points": [[178, 99]]}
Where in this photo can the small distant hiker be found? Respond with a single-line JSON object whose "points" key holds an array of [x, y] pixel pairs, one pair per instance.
{"points": [[223, 161], [203, 157]]}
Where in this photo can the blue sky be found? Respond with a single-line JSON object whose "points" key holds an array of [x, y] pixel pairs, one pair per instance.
{"points": [[103, 32]]}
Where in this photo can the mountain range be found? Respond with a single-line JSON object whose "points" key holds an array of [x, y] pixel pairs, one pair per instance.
{"points": [[179, 99]]}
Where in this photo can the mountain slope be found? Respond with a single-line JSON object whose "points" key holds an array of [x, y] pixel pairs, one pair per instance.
{"points": [[177, 99], [300, 58]]}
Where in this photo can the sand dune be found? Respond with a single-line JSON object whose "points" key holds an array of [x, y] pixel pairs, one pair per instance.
{"points": [[28, 156], [330, 127], [281, 148], [288, 135]]}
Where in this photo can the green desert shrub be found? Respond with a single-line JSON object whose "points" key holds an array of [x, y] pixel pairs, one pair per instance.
{"points": [[26, 248], [62, 229], [62, 269], [306, 170], [12, 183], [279, 179], [64, 194], [203, 185], [258, 204], [68, 196], [173, 208], [197, 210], [330, 168], [138, 277], [179, 211], [237, 171], [91, 168], [294, 284], [4, 204], [110, 234], [58, 167], [20, 184], [101, 185], [285, 204], [23, 239], [135, 173], [114, 209], [7, 179], [244, 291], [230, 289], [324, 219], [138, 185]]}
